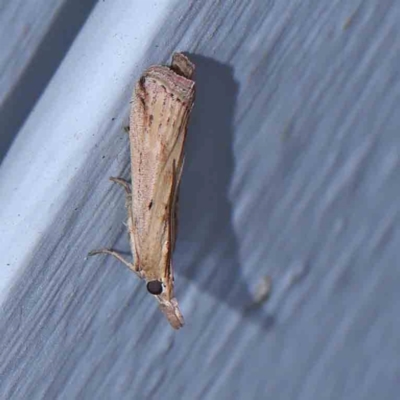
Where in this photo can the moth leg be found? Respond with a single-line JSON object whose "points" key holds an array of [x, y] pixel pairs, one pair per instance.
{"points": [[114, 254], [128, 201], [125, 184]]}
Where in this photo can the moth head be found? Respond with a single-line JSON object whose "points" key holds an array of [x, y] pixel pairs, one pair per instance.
{"points": [[163, 289], [167, 303], [155, 287]]}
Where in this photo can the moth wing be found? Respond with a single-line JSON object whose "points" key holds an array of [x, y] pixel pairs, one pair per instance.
{"points": [[175, 206], [161, 106]]}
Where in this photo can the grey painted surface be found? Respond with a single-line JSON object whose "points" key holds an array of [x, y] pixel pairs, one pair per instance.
{"points": [[35, 36], [291, 167]]}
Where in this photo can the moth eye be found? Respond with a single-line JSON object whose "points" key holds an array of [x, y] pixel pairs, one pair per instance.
{"points": [[154, 287]]}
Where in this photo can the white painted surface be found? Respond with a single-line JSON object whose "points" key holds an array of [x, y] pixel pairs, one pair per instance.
{"points": [[66, 124], [291, 165]]}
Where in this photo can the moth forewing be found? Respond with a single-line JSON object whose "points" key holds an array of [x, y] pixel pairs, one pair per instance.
{"points": [[161, 106]]}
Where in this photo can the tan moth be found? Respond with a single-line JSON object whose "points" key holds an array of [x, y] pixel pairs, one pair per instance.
{"points": [[161, 105]]}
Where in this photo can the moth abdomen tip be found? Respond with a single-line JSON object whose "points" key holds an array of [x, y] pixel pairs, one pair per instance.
{"points": [[182, 65]]}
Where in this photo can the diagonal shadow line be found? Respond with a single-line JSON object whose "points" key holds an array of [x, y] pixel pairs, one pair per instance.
{"points": [[50, 53], [205, 220]]}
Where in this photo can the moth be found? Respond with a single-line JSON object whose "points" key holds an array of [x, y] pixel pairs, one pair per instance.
{"points": [[161, 105]]}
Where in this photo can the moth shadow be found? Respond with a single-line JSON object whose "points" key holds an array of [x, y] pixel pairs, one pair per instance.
{"points": [[207, 244]]}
